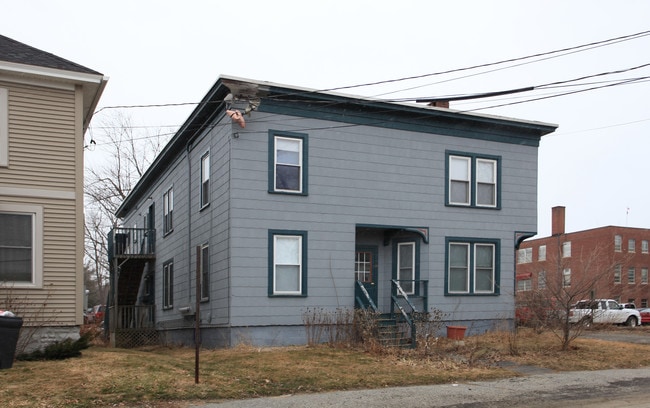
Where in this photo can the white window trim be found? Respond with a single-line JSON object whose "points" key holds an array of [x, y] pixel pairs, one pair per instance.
{"points": [[168, 210], [299, 165], [4, 127], [37, 243], [468, 161], [541, 255], [493, 184], [492, 279], [412, 245], [298, 238], [467, 269], [205, 178], [618, 243], [631, 273]]}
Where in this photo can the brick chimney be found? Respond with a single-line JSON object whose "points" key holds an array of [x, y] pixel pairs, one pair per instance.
{"points": [[439, 104], [557, 220]]}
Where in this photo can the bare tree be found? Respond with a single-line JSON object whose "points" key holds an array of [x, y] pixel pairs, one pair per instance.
{"points": [[562, 283], [120, 158]]}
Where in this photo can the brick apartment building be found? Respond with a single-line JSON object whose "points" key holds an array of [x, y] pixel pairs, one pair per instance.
{"points": [[612, 261]]}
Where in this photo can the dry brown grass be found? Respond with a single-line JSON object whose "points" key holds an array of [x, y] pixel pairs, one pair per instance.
{"points": [[164, 377]]}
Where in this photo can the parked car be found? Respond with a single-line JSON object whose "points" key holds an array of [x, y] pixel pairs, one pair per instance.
{"points": [[645, 315], [96, 315]]}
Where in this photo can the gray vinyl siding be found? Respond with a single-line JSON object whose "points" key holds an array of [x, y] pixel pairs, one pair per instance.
{"points": [[192, 226], [366, 175], [358, 175]]}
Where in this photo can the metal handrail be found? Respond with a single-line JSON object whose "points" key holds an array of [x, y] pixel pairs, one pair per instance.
{"points": [[132, 241], [372, 304], [399, 291]]}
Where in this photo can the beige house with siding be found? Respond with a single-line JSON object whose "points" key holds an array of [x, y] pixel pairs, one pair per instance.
{"points": [[46, 104]]}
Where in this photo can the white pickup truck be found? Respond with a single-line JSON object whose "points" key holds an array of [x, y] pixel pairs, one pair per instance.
{"points": [[604, 311]]}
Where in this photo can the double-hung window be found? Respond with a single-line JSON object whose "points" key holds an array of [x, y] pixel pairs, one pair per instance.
{"points": [[287, 162], [205, 180], [287, 263], [472, 180], [617, 273], [168, 210], [21, 245], [472, 266], [168, 284]]}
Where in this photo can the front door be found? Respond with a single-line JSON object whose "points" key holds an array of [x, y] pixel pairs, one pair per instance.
{"points": [[365, 269]]}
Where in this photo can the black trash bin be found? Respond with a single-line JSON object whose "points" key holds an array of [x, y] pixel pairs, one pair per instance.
{"points": [[9, 331]]}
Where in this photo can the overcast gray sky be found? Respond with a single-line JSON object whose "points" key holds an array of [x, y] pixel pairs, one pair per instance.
{"points": [[166, 52]]}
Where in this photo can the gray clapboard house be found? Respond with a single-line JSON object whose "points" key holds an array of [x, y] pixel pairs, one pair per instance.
{"points": [[297, 199]]}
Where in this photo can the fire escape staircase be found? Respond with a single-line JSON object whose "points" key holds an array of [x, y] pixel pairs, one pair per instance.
{"points": [[130, 315]]}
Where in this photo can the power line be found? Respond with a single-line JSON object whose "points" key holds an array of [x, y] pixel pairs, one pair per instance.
{"points": [[563, 50]]}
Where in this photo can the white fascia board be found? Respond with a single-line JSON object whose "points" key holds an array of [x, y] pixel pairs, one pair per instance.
{"points": [[58, 74]]}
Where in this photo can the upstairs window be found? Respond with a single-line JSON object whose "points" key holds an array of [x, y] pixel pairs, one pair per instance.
{"points": [[618, 243], [287, 162], [472, 180], [525, 255], [631, 275], [566, 250], [644, 246], [617, 274], [631, 245], [168, 210], [205, 180], [541, 256], [644, 275]]}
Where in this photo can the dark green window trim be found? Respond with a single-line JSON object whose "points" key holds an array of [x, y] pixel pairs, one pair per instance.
{"points": [[271, 262], [304, 165], [472, 191], [472, 244]]}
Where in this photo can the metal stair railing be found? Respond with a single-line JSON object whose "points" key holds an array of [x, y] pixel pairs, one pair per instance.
{"points": [[365, 296], [397, 293]]}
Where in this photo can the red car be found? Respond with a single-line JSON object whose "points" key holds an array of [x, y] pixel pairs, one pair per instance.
{"points": [[97, 314], [645, 315]]}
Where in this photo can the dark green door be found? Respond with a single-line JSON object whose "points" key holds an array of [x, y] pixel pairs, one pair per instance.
{"points": [[365, 269]]}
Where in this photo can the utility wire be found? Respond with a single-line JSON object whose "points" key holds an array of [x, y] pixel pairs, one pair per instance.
{"points": [[591, 45]]}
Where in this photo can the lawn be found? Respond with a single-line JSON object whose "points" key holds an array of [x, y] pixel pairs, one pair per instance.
{"points": [[164, 377]]}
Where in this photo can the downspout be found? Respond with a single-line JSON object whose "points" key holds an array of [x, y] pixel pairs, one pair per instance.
{"points": [[188, 149]]}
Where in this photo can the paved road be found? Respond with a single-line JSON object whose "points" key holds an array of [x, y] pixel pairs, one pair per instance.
{"points": [[629, 388], [624, 388]]}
